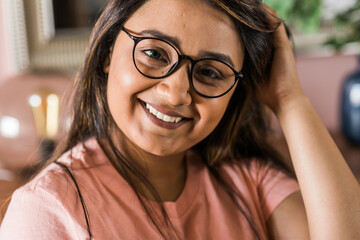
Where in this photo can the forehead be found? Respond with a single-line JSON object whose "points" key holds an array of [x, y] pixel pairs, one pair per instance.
{"points": [[197, 25]]}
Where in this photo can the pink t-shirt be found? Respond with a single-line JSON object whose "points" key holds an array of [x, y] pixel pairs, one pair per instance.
{"points": [[48, 207]]}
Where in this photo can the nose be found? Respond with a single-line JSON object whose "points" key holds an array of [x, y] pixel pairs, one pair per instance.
{"points": [[175, 88]]}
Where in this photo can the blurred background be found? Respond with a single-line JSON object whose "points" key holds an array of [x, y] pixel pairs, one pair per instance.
{"points": [[42, 44]]}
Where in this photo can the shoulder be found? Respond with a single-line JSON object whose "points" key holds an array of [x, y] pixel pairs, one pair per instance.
{"points": [[261, 180], [38, 212], [257, 171], [51, 199], [53, 184], [80, 161], [86, 154]]}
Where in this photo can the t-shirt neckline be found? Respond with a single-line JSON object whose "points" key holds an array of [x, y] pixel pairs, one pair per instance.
{"points": [[188, 196]]}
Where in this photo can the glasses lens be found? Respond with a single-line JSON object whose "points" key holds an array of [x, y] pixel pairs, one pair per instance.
{"points": [[212, 78], [154, 58]]}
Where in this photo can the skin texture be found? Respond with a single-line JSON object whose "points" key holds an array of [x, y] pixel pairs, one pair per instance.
{"points": [[289, 221], [162, 150]]}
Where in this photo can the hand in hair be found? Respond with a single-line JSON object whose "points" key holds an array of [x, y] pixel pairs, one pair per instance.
{"points": [[282, 87]]}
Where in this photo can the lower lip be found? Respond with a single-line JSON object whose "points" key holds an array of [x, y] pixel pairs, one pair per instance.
{"points": [[160, 123]]}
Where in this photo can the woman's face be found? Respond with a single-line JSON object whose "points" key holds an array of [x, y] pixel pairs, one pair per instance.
{"points": [[199, 29]]}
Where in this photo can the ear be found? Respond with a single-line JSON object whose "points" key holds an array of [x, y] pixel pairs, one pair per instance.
{"points": [[107, 62]]}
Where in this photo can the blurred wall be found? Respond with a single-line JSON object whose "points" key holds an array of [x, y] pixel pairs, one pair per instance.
{"points": [[321, 79], [21, 150]]}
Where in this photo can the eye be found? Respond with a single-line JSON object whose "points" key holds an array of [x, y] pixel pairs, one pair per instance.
{"points": [[154, 54], [210, 73]]}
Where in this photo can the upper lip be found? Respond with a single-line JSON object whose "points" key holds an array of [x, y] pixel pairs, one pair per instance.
{"points": [[163, 110]]}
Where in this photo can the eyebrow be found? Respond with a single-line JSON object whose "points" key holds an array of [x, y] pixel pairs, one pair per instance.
{"points": [[176, 42], [157, 34], [219, 56]]}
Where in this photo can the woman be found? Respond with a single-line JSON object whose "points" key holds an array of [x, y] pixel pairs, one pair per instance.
{"points": [[168, 139]]}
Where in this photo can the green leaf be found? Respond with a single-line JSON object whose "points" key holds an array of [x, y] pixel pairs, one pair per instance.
{"points": [[283, 8], [305, 15]]}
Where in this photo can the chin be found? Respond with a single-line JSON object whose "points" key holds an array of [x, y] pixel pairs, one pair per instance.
{"points": [[160, 151]]}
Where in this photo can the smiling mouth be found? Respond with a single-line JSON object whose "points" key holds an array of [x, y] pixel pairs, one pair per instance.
{"points": [[171, 120], [162, 116]]}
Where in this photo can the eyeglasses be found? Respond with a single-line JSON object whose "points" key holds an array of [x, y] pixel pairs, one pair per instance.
{"points": [[156, 58]]}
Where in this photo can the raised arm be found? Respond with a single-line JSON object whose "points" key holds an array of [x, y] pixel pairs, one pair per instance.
{"points": [[330, 191]]}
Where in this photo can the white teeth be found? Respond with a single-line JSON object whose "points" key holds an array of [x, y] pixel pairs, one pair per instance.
{"points": [[167, 118], [153, 111], [162, 116], [159, 115]]}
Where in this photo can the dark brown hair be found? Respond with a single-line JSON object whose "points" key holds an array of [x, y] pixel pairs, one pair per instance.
{"points": [[240, 135]]}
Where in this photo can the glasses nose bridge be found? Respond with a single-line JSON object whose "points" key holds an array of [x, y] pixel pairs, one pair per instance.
{"points": [[177, 65], [185, 57]]}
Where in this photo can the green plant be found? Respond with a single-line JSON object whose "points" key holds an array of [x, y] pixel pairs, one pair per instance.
{"points": [[350, 22], [303, 15]]}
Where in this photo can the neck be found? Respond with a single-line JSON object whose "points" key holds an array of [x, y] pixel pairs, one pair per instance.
{"points": [[167, 174]]}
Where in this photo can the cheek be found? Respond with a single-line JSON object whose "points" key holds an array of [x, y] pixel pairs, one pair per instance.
{"points": [[117, 91], [216, 116], [121, 85], [124, 83], [211, 113], [122, 75]]}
